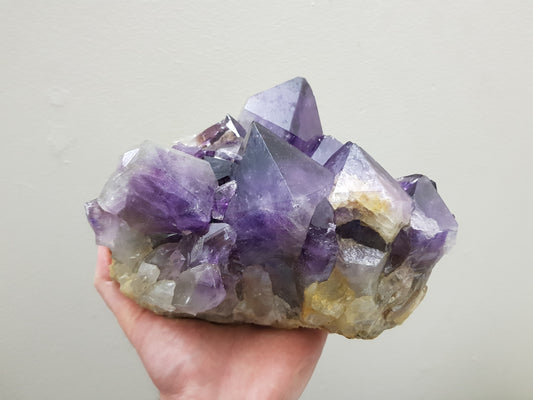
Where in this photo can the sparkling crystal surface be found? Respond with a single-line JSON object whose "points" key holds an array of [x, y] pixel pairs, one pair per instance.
{"points": [[264, 220]]}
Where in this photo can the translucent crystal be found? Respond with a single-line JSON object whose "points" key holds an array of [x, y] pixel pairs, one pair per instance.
{"points": [[364, 191], [326, 148], [274, 201], [266, 221], [288, 110]]}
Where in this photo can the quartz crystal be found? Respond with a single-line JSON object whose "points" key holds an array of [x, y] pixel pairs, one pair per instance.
{"points": [[266, 220]]}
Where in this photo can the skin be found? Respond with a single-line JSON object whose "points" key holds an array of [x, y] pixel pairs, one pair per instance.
{"points": [[193, 359]]}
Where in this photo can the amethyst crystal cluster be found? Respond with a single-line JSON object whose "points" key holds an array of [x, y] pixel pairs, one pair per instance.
{"points": [[266, 220]]}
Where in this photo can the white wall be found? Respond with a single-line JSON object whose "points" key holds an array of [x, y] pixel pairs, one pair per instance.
{"points": [[439, 87]]}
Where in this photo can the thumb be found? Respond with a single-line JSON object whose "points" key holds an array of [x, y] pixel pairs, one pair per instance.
{"points": [[126, 310]]}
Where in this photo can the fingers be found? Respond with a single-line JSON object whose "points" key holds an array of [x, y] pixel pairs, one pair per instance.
{"points": [[126, 310], [103, 260]]}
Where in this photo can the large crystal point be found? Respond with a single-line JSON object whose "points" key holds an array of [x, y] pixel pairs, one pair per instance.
{"points": [[365, 191], [275, 199], [161, 191], [289, 110], [271, 223]]}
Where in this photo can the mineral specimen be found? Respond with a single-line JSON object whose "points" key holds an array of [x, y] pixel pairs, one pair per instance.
{"points": [[265, 220]]}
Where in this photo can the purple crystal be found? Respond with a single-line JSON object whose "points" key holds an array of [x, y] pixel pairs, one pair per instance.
{"points": [[199, 289], [430, 206], [223, 195], [194, 151], [114, 233], [275, 199], [222, 140], [214, 133], [274, 224], [221, 168], [215, 246], [327, 147], [161, 191], [319, 252], [170, 258], [365, 191], [192, 250], [289, 110], [432, 229]]}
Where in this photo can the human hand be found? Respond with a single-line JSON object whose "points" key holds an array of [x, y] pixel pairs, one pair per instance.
{"points": [[193, 359]]}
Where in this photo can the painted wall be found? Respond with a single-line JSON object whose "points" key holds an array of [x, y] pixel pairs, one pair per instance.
{"points": [[439, 87]]}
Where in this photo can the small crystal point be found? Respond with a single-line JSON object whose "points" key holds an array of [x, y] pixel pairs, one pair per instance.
{"points": [[222, 141], [114, 233], [198, 289], [431, 231], [428, 203], [319, 252], [361, 265], [223, 195]]}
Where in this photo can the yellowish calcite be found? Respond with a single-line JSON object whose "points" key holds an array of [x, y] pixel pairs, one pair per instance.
{"points": [[334, 306]]}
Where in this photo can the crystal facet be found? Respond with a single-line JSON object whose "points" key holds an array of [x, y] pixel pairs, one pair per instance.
{"points": [[264, 220]]}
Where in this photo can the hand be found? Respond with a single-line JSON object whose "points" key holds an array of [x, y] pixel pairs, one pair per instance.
{"points": [[193, 359]]}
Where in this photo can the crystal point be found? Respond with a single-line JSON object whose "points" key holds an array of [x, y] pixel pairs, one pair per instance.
{"points": [[289, 110], [274, 202], [431, 231], [365, 191], [161, 191]]}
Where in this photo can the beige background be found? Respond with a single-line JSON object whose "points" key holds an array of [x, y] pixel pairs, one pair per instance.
{"points": [[439, 87]]}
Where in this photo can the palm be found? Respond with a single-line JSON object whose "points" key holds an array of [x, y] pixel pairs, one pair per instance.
{"points": [[195, 359]]}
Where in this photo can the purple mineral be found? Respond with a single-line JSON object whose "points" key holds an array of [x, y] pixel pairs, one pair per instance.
{"points": [[289, 110], [265, 220], [278, 189], [431, 231]]}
